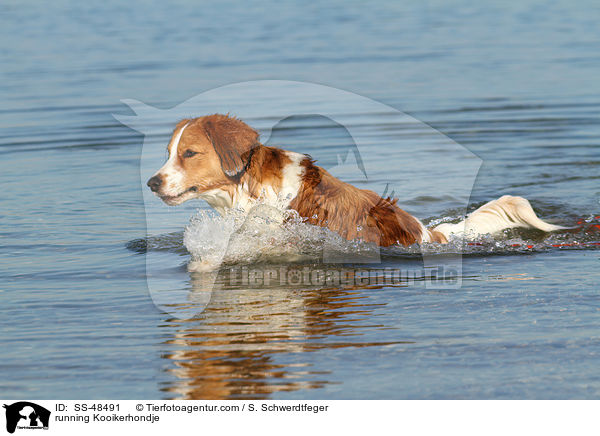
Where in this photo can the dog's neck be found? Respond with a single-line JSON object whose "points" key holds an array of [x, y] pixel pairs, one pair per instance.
{"points": [[273, 177]]}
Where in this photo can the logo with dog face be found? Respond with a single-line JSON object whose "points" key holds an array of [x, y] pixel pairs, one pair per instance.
{"points": [[26, 415], [270, 108]]}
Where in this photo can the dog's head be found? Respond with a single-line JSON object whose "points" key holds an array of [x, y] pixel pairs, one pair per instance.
{"points": [[205, 153]]}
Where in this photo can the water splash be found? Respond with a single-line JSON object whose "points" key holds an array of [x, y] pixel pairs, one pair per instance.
{"points": [[271, 235], [264, 235]]}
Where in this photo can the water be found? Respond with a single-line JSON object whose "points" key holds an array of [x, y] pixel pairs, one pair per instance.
{"points": [[516, 84]]}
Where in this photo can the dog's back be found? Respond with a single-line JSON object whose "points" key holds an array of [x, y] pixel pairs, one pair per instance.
{"points": [[355, 213]]}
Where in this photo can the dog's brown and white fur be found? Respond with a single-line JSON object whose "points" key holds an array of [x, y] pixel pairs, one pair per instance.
{"points": [[220, 159]]}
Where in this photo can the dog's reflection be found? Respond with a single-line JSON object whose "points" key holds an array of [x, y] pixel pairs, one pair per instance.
{"points": [[252, 341]]}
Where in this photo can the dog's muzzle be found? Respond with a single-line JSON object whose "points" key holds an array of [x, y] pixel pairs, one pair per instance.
{"points": [[155, 183]]}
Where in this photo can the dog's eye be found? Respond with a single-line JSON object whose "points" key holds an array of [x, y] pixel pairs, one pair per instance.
{"points": [[190, 153]]}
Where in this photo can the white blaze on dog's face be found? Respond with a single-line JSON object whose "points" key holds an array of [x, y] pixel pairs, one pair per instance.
{"points": [[205, 153]]}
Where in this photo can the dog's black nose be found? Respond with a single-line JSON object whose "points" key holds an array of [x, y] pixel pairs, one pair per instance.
{"points": [[154, 183]]}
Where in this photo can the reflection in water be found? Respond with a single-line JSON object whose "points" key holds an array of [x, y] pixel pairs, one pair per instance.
{"points": [[230, 350]]}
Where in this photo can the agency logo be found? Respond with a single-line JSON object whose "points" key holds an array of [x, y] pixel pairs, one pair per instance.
{"points": [[26, 415], [372, 146]]}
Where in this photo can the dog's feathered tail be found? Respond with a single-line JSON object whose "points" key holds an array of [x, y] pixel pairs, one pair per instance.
{"points": [[504, 213]]}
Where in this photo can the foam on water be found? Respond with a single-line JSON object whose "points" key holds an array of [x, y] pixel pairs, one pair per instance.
{"points": [[271, 235], [265, 234]]}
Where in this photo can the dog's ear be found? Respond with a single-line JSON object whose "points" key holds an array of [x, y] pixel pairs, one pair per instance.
{"points": [[233, 141]]}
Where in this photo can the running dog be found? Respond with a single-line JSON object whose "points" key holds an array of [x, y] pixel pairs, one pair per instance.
{"points": [[219, 158]]}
